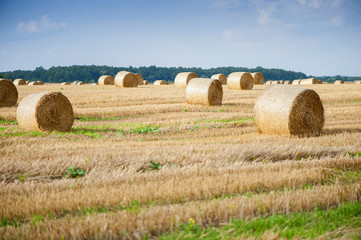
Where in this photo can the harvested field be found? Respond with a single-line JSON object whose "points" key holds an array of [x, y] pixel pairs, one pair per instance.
{"points": [[147, 162]]}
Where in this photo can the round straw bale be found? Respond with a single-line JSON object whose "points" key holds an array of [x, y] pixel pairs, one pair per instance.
{"points": [[106, 80], [309, 81], [33, 83], [296, 81], [240, 81], [258, 78], [94, 84], [8, 93], [74, 83], [182, 79], [287, 82], [40, 82], [47, 111], [145, 82], [221, 77], [275, 82], [125, 79], [19, 81], [64, 83], [80, 83], [268, 82], [160, 82], [357, 81], [140, 78], [289, 110], [27, 82], [339, 82], [204, 91]]}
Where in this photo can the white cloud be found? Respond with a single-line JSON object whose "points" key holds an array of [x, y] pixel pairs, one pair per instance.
{"points": [[311, 3], [227, 34], [44, 25], [337, 21], [226, 4]]}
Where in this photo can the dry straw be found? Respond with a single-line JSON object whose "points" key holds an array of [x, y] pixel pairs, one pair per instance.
{"points": [[64, 83], [80, 83], [19, 81], [140, 78], [8, 93], [339, 82], [106, 80], [309, 81], [40, 82], [275, 82], [48, 111], [357, 81], [125, 79], [268, 83], [240, 81], [296, 81], [221, 77], [287, 82], [204, 91], [74, 83], [160, 82], [145, 82], [94, 84], [289, 110], [258, 78], [27, 82], [182, 79]]}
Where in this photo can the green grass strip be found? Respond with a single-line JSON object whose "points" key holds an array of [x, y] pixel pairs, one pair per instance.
{"points": [[297, 225]]}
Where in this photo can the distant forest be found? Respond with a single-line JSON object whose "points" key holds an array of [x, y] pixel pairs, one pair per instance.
{"points": [[91, 73]]}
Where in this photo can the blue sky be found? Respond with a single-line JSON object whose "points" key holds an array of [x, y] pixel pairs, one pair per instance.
{"points": [[317, 37]]}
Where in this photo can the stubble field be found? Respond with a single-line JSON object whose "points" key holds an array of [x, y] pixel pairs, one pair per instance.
{"points": [[156, 165]]}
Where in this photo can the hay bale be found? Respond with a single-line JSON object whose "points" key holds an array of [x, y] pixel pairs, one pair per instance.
{"points": [[309, 81], [64, 83], [160, 82], [40, 82], [19, 81], [258, 78], [145, 82], [275, 82], [221, 77], [125, 79], [80, 83], [339, 82], [287, 82], [240, 81], [74, 83], [289, 110], [319, 82], [204, 91], [106, 80], [33, 83], [27, 82], [140, 78], [47, 111], [182, 79], [357, 81], [94, 84], [296, 81], [8, 93], [268, 83]]}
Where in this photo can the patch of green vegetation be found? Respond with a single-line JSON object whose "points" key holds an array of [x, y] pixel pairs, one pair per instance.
{"points": [[145, 129], [355, 154], [297, 225], [20, 134], [73, 172], [155, 165], [88, 118], [3, 128], [7, 122], [86, 132]]}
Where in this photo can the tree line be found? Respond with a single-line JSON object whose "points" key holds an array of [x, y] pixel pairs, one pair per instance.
{"points": [[91, 73]]}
